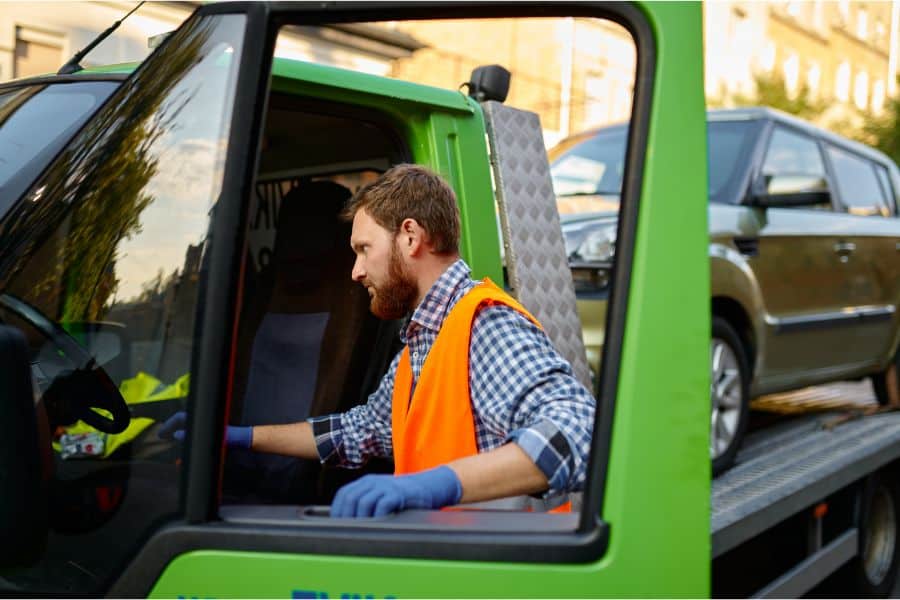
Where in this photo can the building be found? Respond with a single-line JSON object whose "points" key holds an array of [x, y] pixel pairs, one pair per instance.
{"points": [[39, 37], [843, 53], [575, 73]]}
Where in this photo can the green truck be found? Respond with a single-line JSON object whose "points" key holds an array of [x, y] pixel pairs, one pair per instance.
{"points": [[151, 245]]}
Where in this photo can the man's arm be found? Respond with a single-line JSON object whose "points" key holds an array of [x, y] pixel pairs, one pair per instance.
{"points": [[501, 473], [293, 439]]}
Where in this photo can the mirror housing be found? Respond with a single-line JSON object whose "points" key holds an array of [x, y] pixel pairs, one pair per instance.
{"points": [[23, 504], [489, 82], [792, 190]]}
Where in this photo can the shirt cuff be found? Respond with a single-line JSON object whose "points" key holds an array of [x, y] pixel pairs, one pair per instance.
{"points": [[329, 437], [546, 445]]}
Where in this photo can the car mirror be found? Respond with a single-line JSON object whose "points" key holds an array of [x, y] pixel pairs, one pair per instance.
{"points": [[23, 504], [793, 190]]}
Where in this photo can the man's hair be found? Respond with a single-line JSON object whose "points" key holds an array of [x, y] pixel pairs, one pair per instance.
{"points": [[408, 191]]}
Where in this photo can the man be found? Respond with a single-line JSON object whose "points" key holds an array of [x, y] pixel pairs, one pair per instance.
{"points": [[477, 406]]}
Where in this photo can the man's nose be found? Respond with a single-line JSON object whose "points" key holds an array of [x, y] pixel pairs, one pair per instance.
{"points": [[358, 273]]}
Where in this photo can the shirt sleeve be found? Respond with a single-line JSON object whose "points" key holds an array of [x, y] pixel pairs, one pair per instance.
{"points": [[350, 439], [523, 391]]}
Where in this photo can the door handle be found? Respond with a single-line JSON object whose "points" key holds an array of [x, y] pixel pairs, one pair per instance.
{"points": [[844, 250]]}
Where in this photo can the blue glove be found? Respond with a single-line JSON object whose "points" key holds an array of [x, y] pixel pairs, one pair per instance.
{"points": [[235, 437], [379, 495]]}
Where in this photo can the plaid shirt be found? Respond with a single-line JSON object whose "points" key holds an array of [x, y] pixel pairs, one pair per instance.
{"points": [[521, 389]]}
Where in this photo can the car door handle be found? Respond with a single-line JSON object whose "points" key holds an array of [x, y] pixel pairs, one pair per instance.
{"points": [[844, 250]]}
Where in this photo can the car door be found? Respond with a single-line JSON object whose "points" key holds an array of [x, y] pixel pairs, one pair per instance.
{"points": [[870, 233], [800, 272]]}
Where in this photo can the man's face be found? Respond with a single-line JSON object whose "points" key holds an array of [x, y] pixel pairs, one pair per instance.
{"points": [[380, 268]]}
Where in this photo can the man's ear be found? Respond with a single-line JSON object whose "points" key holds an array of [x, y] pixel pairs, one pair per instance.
{"points": [[412, 237]]}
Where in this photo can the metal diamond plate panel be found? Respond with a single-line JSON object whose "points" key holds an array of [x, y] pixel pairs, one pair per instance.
{"points": [[537, 269]]}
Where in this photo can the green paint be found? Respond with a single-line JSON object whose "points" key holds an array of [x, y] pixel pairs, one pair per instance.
{"points": [[657, 497]]}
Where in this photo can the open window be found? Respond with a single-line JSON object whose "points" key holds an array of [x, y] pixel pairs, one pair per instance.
{"points": [[306, 343]]}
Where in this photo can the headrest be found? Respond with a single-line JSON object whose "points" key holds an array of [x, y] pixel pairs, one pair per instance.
{"points": [[308, 223]]}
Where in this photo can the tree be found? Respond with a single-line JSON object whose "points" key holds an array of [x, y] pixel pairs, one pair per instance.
{"points": [[884, 129], [771, 91]]}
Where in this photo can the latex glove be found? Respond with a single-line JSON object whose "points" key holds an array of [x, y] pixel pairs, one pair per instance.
{"points": [[235, 437], [379, 495]]}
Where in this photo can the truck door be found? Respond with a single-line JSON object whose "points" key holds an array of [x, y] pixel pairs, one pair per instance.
{"points": [[181, 248]]}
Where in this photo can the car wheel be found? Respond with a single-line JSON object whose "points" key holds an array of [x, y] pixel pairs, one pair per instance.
{"points": [[873, 572], [729, 394], [887, 383]]}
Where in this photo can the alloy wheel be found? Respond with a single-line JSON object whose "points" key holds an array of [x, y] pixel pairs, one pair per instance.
{"points": [[725, 397]]}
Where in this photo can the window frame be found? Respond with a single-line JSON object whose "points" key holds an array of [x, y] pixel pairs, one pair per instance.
{"points": [[766, 142], [840, 204]]}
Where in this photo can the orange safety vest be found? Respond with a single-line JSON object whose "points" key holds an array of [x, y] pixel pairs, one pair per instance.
{"points": [[436, 426]]}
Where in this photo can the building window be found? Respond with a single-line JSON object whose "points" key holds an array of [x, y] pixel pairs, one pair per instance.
{"points": [[793, 9], [813, 76], [861, 90], [842, 82], [878, 96], [36, 52], [862, 24], [792, 74], [879, 31], [844, 10], [767, 60]]}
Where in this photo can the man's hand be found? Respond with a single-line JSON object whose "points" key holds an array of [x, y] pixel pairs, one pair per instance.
{"points": [[379, 495], [235, 437]]}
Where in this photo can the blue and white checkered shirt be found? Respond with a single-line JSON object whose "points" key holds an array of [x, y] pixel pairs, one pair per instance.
{"points": [[522, 390]]}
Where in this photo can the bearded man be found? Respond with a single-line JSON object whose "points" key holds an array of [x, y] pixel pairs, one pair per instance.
{"points": [[477, 406]]}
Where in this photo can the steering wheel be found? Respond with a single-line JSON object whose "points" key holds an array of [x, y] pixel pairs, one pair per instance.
{"points": [[79, 387]]}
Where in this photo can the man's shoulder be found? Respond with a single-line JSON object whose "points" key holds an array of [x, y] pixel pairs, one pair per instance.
{"points": [[493, 316]]}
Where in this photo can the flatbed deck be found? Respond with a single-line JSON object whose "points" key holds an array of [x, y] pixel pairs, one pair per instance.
{"points": [[787, 466]]}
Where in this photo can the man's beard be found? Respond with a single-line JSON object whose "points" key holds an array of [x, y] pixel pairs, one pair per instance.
{"points": [[396, 298]]}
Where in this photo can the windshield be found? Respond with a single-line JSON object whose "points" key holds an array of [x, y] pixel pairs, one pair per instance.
{"points": [[587, 174], [35, 123]]}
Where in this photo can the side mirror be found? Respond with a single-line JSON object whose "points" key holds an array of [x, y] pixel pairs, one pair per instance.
{"points": [[23, 503], [793, 190], [489, 82]]}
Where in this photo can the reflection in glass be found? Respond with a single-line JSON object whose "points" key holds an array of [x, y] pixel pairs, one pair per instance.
{"points": [[100, 270]]}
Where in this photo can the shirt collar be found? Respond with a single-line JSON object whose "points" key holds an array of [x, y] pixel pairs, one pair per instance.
{"points": [[442, 295]]}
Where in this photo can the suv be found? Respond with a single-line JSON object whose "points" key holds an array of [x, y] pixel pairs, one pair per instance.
{"points": [[804, 256]]}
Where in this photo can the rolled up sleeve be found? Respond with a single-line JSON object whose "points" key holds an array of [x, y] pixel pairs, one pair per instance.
{"points": [[350, 439], [525, 392]]}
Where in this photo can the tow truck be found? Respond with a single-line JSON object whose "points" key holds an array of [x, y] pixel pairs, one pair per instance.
{"points": [[811, 500]]}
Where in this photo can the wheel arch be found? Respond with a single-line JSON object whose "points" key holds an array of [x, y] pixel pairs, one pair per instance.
{"points": [[732, 311]]}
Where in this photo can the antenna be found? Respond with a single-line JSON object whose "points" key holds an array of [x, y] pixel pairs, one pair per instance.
{"points": [[72, 66]]}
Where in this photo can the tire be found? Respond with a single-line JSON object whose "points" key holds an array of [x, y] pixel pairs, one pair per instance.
{"points": [[887, 383], [729, 394], [873, 572]]}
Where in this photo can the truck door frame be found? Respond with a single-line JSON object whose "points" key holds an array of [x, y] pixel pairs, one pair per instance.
{"points": [[202, 527]]}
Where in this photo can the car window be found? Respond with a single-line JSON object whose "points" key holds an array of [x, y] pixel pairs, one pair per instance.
{"points": [[594, 166], [35, 122], [885, 179], [102, 274], [857, 183], [793, 154]]}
